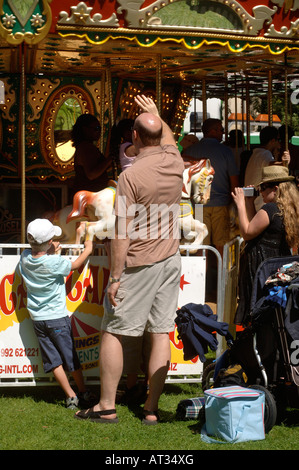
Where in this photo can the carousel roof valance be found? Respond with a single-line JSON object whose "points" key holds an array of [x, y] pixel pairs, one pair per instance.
{"points": [[191, 39]]}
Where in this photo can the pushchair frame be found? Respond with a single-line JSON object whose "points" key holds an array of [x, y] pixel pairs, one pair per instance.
{"points": [[265, 270], [266, 361]]}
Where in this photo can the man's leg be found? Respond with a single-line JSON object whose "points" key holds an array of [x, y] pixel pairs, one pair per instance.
{"points": [[159, 362], [220, 227], [111, 367]]}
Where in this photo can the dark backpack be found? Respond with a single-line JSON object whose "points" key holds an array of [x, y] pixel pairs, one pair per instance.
{"points": [[233, 375]]}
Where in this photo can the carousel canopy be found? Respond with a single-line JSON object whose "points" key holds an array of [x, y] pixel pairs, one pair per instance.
{"points": [[187, 40]]}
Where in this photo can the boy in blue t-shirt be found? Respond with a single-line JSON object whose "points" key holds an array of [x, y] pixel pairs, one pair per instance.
{"points": [[44, 276]]}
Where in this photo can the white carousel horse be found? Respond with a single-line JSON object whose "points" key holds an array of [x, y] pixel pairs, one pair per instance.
{"points": [[97, 208], [197, 178], [94, 211], [89, 213]]}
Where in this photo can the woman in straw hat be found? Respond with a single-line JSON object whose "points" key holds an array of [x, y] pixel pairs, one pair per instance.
{"points": [[271, 232]]}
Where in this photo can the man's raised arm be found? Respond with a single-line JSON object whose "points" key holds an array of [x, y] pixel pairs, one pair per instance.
{"points": [[147, 105]]}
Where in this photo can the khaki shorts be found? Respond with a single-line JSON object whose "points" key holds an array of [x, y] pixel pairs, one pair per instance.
{"points": [[217, 220], [147, 299]]}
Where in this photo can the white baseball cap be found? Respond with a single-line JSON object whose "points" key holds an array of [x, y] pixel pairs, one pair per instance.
{"points": [[42, 230]]}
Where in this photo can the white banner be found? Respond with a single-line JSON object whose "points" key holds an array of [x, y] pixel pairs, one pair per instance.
{"points": [[19, 350]]}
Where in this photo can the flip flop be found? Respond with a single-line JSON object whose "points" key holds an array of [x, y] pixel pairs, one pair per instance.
{"points": [[150, 422], [96, 416]]}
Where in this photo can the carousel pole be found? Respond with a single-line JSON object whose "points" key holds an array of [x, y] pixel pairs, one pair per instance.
{"points": [[204, 100], [247, 115], [236, 117], [243, 112], [270, 101], [111, 108], [286, 103], [194, 107], [22, 142], [109, 84], [102, 109], [159, 83], [226, 109]]}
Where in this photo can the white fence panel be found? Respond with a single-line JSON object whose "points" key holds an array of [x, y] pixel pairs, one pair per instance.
{"points": [[20, 360]]}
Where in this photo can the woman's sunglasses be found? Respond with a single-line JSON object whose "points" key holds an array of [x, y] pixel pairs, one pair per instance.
{"points": [[265, 186]]}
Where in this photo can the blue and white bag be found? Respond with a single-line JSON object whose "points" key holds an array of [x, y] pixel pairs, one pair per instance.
{"points": [[233, 414]]}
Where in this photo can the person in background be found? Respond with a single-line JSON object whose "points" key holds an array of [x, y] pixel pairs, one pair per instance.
{"points": [[216, 212], [271, 232], [89, 163], [236, 143], [264, 155], [186, 142], [126, 149], [145, 271], [293, 150], [43, 273]]}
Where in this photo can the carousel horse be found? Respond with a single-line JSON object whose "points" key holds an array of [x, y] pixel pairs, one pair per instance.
{"points": [[197, 179], [95, 212], [89, 212], [97, 208]]}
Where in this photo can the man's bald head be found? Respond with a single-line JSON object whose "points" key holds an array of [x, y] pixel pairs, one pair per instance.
{"points": [[149, 129]]}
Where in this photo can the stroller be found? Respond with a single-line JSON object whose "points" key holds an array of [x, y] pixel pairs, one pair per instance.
{"points": [[268, 349]]}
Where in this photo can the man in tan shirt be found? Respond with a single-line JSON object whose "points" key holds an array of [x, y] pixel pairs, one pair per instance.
{"points": [[145, 262]]}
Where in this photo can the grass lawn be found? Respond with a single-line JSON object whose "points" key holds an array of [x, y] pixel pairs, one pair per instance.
{"points": [[34, 418]]}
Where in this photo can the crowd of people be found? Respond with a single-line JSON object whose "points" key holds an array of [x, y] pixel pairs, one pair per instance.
{"points": [[142, 293]]}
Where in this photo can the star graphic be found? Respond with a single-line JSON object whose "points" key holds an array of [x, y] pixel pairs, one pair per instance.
{"points": [[183, 282]]}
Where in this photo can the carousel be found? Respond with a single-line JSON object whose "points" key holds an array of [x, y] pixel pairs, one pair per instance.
{"points": [[61, 59]]}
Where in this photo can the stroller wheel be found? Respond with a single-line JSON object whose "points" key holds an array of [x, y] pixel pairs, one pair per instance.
{"points": [[270, 415], [208, 376]]}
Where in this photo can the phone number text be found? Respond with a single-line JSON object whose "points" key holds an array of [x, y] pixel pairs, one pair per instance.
{"points": [[19, 352]]}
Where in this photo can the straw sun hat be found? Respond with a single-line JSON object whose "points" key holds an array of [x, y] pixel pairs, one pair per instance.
{"points": [[275, 174]]}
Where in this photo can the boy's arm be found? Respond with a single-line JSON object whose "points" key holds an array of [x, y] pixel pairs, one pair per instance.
{"points": [[83, 256]]}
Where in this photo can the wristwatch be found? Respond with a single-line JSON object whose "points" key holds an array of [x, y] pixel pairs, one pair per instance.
{"points": [[113, 279]]}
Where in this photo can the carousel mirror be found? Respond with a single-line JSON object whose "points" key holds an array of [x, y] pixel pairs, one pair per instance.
{"points": [[66, 117], [66, 105]]}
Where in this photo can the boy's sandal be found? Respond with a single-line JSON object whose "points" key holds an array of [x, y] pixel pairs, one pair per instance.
{"points": [[96, 416], [150, 422]]}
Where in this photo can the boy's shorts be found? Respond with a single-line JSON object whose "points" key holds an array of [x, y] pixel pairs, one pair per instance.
{"points": [[57, 344], [147, 299]]}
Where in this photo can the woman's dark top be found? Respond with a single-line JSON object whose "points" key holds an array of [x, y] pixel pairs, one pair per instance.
{"points": [[81, 181], [269, 244]]}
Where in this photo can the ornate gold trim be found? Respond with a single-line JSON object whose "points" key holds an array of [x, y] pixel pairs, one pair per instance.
{"points": [[81, 15], [287, 45], [125, 33], [48, 119], [137, 17], [144, 18], [27, 37]]}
